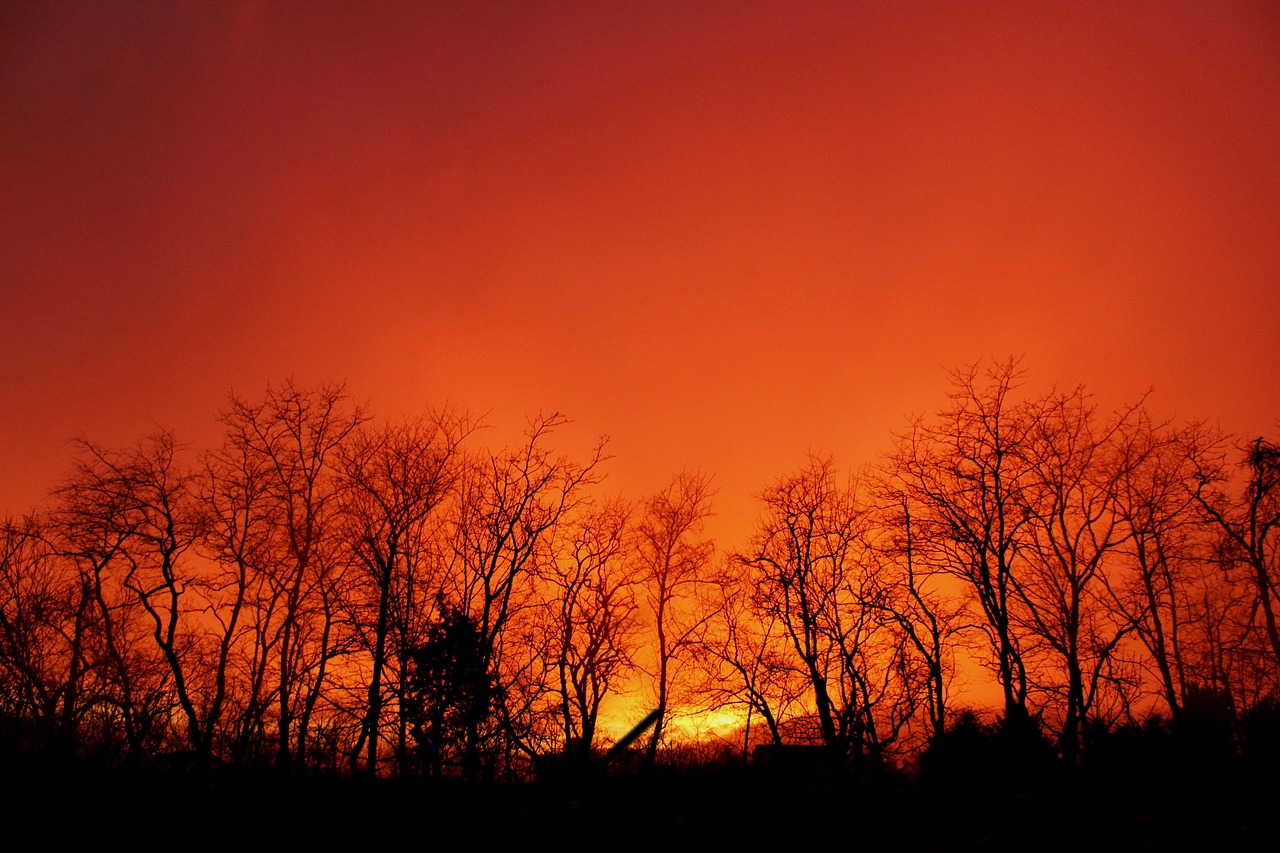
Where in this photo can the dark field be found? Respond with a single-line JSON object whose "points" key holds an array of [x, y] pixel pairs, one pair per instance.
{"points": [[1133, 808]]}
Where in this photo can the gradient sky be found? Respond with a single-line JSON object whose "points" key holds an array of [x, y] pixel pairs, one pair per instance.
{"points": [[725, 234]]}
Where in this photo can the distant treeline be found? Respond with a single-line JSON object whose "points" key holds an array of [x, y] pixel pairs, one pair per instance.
{"points": [[325, 593]]}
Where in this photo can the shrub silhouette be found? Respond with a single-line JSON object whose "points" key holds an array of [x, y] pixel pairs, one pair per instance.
{"points": [[452, 696]]}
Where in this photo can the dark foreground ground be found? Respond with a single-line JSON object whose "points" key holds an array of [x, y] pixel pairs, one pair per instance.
{"points": [[709, 808]]}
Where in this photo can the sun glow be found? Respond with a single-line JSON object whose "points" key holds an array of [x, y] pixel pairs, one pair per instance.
{"points": [[714, 725]]}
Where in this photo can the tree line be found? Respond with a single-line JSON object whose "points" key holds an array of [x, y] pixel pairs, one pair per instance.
{"points": [[324, 592]]}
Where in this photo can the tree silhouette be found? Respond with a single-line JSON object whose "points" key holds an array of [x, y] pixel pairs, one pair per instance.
{"points": [[593, 621], [1155, 592], [964, 476], [509, 505], [451, 696], [395, 477], [1076, 465], [932, 621], [106, 528], [317, 592], [818, 577], [1250, 527], [744, 659], [43, 635], [291, 443], [673, 562]]}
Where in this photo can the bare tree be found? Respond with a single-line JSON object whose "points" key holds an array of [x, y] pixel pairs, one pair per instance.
{"points": [[395, 478], [821, 581], [1157, 591], [163, 517], [241, 542], [673, 561], [290, 442], [509, 504], [1076, 466], [1249, 524], [99, 524], [743, 657], [42, 654], [593, 611], [932, 618], [964, 473]]}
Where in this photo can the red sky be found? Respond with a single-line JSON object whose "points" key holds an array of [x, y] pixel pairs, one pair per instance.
{"points": [[725, 234]]}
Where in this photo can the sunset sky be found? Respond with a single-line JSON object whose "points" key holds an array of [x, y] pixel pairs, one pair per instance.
{"points": [[724, 234]]}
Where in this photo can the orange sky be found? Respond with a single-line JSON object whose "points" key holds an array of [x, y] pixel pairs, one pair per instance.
{"points": [[722, 233]]}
